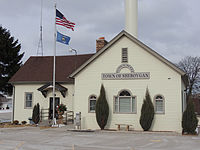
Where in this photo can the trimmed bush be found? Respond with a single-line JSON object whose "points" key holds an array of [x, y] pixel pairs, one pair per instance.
{"points": [[15, 122], [102, 109], [36, 114], [24, 122], [189, 119], [147, 112]]}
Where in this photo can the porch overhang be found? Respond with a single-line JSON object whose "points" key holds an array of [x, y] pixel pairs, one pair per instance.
{"points": [[45, 88]]}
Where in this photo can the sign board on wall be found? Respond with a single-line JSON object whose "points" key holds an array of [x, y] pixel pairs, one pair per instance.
{"points": [[125, 76]]}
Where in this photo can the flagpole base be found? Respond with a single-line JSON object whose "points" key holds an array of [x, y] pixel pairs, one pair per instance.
{"points": [[54, 124]]}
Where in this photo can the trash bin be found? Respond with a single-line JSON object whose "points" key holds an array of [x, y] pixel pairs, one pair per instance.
{"points": [[78, 120], [30, 120]]}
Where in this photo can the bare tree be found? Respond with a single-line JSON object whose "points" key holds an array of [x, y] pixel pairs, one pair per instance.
{"points": [[191, 66]]}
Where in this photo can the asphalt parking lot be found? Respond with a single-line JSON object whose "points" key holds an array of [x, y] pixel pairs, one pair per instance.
{"points": [[34, 138]]}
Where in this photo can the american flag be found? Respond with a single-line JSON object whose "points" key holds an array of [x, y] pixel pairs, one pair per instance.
{"points": [[61, 20]]}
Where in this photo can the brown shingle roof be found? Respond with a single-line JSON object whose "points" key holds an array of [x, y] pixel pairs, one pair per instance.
{"points": [[40, 68]]}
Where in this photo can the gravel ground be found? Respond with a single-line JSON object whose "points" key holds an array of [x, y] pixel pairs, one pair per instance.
{"points": [[34, 138]]}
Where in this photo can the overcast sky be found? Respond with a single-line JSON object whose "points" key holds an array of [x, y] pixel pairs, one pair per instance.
{"points": [[170, 27]]}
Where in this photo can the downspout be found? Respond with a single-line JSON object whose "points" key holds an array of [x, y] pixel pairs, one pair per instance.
{"points": [[13, 104]]}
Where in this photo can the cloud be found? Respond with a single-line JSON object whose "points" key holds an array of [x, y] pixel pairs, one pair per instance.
{"points": [[169, 27]]}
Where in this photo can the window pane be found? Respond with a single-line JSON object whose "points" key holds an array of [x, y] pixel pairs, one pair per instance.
{"points": [[28, 103], [125, 104], [93, 97], [124, 93], [159, 97], [159, 105], [92, 105], [28, 96]]}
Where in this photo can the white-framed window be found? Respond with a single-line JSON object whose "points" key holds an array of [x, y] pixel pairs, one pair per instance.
{"points": [[92, 103], [124, 102], [28, 100], [159, 104], [124, 55]]}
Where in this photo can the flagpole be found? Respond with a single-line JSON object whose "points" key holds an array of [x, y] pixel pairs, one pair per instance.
{"points": [[54, 70]]}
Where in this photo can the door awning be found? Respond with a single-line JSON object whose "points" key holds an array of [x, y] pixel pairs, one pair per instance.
{"points": [[45, 88]]}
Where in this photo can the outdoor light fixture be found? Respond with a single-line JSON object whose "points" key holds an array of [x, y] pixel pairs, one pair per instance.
{"points": [[71, 50]]}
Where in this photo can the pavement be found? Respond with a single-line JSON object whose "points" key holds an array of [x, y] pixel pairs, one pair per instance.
{"points": [[35, 138]]}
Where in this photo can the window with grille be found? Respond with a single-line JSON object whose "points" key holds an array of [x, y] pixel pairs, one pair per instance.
{"points": [[124, 55], [159, 104], [92, 103], [124, 103], [28, 100]]}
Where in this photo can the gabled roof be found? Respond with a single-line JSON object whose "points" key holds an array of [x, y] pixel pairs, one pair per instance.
{"points": [[136, 41], [39, 69], [44, 89]]}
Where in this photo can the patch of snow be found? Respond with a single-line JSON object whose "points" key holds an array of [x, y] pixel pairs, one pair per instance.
{"points": [[6, 111]]}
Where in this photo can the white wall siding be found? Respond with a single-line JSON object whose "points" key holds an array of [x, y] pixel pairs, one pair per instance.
{"points": [[21, 113], [163, 80]]}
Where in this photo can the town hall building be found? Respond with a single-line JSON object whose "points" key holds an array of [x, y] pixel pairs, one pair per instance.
{"points": [[125, 66]]}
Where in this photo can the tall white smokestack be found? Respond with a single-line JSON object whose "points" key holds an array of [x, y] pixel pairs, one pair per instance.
{"points": [[131, 9]]}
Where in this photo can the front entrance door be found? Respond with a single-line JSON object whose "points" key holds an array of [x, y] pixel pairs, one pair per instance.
{"points": [[57, 102]]}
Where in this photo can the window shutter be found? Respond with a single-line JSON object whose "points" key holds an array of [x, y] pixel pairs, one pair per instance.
{"points": [[133, 104], [116, 104], [124, 55]]}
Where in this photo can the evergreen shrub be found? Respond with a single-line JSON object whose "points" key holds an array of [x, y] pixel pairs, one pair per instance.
{"points": [[147, 112], [102, 109], [189, 119], [36, 114]]}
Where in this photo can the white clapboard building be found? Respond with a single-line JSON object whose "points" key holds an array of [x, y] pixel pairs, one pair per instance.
{"points": [[125, 66]]}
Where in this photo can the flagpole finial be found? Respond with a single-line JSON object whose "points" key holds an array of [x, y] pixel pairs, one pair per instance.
{"points": [[55, 4]]}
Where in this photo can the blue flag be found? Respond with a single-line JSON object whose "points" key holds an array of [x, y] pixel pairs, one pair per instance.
{"points": [[62, 38]]}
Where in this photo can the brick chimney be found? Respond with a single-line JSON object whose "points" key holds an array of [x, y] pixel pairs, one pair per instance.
{"points": [[100, 43]]}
